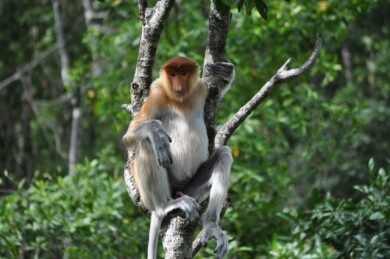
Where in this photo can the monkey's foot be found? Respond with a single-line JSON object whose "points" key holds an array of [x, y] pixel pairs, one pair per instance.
{"points": [[212, 230], [185, 203]]}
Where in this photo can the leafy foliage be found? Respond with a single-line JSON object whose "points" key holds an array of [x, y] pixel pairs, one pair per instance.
{"points": [[83, 215], [223, 6], [344, 228]]}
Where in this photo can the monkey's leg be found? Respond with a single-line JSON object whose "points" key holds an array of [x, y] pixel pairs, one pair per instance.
{"points": [[212, 180], [153, 184]]}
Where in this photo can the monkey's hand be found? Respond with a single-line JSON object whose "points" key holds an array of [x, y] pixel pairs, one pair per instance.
{"points": [[222, 70], [212, 230], [185, 203], [219, 74], [160, 141]]}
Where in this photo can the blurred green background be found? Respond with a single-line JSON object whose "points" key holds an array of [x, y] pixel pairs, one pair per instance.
{"points": [[310, 177]]}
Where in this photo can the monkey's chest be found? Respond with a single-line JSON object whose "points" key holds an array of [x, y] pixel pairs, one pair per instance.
{"points": [[189, 146]]}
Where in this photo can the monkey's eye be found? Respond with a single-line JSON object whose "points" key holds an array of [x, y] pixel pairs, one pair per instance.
{"points": [[172, 74], [183, 73]]}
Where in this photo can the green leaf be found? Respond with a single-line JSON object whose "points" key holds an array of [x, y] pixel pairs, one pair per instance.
{"points": [[240, 4], [262, 9], [222, 8], [374, 239], [382, 172], [21, 184], [371, 164], [249, 6], [316, 197], [286, 216], [376, 216], [228, 2]]}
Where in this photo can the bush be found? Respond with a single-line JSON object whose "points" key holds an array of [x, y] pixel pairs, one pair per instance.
{"points": [[85, 215], [342, 228]]}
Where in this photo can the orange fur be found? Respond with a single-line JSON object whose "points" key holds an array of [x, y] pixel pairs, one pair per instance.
{"points": [[162, 95], [179, 77]]}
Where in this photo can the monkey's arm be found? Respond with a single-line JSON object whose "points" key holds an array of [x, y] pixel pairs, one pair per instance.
{"points": [[153, 132], [146, 128]]}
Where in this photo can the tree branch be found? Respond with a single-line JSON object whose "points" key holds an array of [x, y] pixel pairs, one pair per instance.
{"points": [[142, 5], [151, 33], [152, 26], [62, 51], [215, 52], [281, 76], [74, 147], [27, 68]]}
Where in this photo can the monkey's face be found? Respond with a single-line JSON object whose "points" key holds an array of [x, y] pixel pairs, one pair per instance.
{"points": [[179, 81], [180, 76]]}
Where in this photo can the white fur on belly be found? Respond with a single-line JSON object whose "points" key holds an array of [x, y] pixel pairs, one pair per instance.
{"points": [[189, 144]]}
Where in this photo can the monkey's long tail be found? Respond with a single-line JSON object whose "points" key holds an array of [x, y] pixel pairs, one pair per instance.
{"points": [[155, 224]]}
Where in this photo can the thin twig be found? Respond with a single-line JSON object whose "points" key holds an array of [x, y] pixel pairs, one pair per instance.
{"points": [[27, 68], [281, 76]]}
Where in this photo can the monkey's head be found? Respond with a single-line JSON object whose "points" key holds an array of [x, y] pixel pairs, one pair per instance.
{"points": [[180, 76]]}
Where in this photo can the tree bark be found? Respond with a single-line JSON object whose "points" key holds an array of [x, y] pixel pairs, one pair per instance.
{"points": [[215, 52], [153, 22], [67, 81], [61, 43]]}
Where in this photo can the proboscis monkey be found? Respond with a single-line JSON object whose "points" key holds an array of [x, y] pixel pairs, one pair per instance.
{"points": [[172, 168]]}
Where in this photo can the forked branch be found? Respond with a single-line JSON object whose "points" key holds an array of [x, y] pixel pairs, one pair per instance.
{"points": [[281, 76], [153, 20], [18, 75]]}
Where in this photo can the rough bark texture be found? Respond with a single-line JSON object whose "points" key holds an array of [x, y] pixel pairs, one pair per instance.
{"points": [[215, 52], [153, 21], [177, 235]]}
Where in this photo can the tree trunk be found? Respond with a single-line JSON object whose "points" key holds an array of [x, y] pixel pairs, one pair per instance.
{"points": [[67, 81]]}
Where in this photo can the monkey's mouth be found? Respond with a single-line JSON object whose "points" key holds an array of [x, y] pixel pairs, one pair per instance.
{"points": [[180, 93]]}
